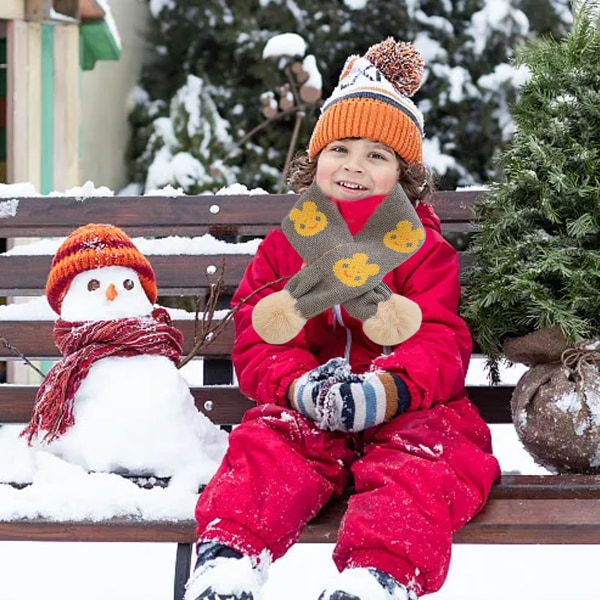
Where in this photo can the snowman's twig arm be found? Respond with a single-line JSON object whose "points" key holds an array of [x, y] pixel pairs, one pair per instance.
{"points": [[16, 352], [208, 333]]}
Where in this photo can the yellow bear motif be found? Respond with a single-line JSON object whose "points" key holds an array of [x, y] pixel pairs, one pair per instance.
{"points": [[308, 221], [404, 238], [354, 271]]}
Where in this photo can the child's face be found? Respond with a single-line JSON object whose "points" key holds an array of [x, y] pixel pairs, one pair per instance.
{"points": [[356, 168]]}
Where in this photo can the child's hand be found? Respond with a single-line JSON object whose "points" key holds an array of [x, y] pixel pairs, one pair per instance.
{"points": [[334, 368], [357, 405], [306, 394]]}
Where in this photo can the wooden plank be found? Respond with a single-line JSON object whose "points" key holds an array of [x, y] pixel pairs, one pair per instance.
{"points": [[181, 274], [34, 339], [225, 405], [37, 10], [34, 106], [533, 521], [17, 102], [69, 8], [116, 530], [12, 10], [67, 109], [547, 487], [185, 215], [505, 520], [71, 99]]}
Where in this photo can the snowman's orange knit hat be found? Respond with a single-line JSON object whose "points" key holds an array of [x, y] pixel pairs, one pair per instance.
{"points": [[90, 247], [373, 100]]}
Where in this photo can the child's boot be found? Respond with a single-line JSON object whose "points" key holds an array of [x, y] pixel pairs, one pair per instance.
{"points": [[366, 584], [221, 573]]}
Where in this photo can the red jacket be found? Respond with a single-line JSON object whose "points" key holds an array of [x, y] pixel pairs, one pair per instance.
{"points": [[433, 362], [417, 478]]}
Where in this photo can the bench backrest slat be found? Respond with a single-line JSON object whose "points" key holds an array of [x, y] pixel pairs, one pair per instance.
{"points": [[179, 215], [177, 274], [226, 405]]}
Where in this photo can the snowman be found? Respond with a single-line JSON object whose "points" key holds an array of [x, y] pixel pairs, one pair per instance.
{"points": [[116, 401]]}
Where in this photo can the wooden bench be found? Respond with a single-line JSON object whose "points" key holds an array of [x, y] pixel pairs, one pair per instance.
{"points": [[522, 509]]}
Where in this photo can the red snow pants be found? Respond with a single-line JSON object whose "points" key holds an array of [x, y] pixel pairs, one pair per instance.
{"points": [[418, 479]]}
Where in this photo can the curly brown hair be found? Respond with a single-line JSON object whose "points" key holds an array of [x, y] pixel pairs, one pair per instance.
{"points": [[416, 179]]}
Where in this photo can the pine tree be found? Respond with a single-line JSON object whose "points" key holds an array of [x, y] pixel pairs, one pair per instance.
{"points": [[191, 147], [468, 87], [538, 254]]}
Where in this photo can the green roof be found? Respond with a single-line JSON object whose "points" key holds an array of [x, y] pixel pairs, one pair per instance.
{"points": [[97, 43]]}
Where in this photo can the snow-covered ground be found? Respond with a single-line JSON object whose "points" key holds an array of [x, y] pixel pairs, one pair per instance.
{"points": [[57, 571]]}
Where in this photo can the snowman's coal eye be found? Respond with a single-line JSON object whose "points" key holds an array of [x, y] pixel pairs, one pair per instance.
{"points": [[128, 284], [93, 284]]}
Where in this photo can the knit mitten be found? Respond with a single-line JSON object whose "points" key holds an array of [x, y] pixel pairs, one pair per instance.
{"points": [[369, 400], [340, 268], [306, 393]]}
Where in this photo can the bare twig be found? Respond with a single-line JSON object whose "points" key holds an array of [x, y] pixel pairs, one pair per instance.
{"points": [[279, 115], [16, 352], [288, 159], [206, 330], [293, 85]]}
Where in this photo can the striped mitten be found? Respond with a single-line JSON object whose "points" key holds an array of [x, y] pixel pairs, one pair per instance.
{"points": [[306, 393], [354, 406]]}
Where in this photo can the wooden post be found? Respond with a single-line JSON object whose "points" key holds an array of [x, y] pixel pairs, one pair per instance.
{"points": [[37, 10], [47, 10], [17, 102], [70, 8], [34, 112], [67, 110], [12, 9]]}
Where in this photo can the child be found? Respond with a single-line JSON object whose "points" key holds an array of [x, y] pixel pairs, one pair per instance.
{"points": [[361, 378]]}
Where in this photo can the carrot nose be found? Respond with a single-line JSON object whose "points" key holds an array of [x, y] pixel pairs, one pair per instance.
{"points": [[111, 292]]}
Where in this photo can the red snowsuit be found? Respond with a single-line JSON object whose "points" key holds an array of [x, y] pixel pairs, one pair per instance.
{"points": [[418, 478]]}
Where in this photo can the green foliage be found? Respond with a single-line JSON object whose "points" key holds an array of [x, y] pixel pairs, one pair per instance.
{"points": [[191, 146], [464, 98], [538, 254]]}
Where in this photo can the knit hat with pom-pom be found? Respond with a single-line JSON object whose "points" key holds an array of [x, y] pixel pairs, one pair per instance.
{"points": [[90, 247], [372, 100]]}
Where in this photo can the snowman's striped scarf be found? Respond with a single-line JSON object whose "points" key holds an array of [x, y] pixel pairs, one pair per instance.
{"points": [[83, 343]]}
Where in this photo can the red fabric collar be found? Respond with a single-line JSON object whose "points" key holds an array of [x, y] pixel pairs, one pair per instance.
{"points": [[357, 212], [82, 344]]}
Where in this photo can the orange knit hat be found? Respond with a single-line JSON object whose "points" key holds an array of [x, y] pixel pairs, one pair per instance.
{"points": [[372, 100], [90, 247]]}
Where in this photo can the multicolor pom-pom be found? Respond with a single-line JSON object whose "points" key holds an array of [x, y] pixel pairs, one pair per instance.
{"points": [[400, 63]]}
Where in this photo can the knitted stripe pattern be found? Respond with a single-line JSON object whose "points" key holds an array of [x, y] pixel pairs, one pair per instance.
{"points": [[82, 344], [342, 268], [373, 100], [378, 398], [90, 247], [359, 402]]}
